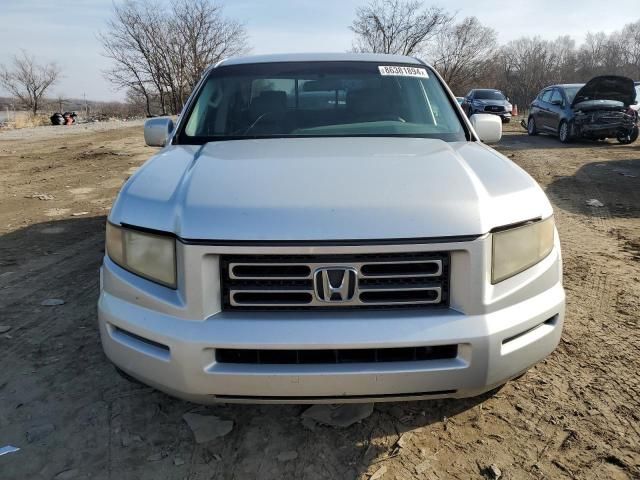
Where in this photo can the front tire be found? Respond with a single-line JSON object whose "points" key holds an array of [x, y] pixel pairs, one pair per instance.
{"points": [[626, 138], [531, 126], [564, 132]]}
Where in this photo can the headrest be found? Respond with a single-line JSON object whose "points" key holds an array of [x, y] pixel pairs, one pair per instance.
{"points": [[269, 101]]}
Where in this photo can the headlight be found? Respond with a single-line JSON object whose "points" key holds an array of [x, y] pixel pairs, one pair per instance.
{"points": [[148, 255], [508, 107], [519, 248]]}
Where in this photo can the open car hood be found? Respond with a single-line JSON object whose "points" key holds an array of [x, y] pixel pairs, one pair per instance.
{"points": [[607, 87]]}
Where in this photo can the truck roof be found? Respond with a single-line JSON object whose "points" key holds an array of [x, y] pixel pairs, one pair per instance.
{"points": [[321, 57]]}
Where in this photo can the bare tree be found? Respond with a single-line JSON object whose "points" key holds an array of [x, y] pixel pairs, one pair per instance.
{"points": [[630, 38], [565, 60], [160, 52], [460, 53], [130, 41], [28, 81], [396, 26], [525, 66], [467, 54]]}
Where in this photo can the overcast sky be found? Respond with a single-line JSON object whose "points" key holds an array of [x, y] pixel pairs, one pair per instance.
{"points": [[65, 30]]}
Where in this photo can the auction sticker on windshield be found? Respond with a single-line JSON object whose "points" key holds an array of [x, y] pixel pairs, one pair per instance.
{"points": [[401, 71]]}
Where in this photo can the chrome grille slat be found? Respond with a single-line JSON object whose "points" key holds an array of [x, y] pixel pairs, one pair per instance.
{"points": [[314, 266], [234, 276], [383, 280]]}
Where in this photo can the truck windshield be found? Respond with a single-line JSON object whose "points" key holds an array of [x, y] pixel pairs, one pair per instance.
{"points": [[302, 99]]}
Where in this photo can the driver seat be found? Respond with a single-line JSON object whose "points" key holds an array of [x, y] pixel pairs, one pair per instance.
{"points": [[267, 112]]}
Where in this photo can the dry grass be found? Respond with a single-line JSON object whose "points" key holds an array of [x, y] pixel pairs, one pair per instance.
{"points": [[26, 120]]}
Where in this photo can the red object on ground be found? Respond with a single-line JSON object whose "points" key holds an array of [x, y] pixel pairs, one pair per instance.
{"points": [[68, 120], [515, 111]]}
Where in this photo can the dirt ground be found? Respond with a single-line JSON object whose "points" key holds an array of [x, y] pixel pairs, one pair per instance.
{"points": [[575, 415]]}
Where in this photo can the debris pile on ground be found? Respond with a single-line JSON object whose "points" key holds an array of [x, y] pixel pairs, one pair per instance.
{"points": [[66, 118]]}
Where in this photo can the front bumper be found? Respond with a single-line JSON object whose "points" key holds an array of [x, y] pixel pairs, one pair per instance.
{"points": [[149, 339], [505, 116]]}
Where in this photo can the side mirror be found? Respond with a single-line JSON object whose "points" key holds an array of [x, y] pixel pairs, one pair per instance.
{"points": [[157, 131], [488, 127]]}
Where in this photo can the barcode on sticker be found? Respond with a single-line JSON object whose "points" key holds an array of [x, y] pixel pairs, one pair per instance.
{"points": [[401, 71]]}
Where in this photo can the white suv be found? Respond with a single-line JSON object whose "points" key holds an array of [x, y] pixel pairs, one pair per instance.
{"points": [[328, 228]]}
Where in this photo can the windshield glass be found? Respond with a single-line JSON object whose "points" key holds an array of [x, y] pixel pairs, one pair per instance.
{"points": [[301, 99], [570, 92], [488, 95]]}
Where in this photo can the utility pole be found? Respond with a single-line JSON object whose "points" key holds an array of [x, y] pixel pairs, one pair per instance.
{"points": [[86, 107]]}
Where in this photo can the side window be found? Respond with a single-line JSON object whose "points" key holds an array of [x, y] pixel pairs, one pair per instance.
{"points": [[556, 96], [469, 94], [546, 96]]}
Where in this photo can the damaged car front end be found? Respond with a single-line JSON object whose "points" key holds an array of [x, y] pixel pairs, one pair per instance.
{"points": [[602, 110], [599, 109]]}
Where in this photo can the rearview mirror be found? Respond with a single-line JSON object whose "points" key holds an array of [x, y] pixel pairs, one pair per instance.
{"points": [[488, 127], [157, 131]]}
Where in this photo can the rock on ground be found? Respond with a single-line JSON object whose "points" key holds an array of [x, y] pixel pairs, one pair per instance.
{"points": [[340, 416], [207, 427]]}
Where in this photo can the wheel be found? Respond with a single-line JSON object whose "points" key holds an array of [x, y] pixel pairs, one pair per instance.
{"points": [[506, 120], [628, 137], [564, 132], [531, 126]]}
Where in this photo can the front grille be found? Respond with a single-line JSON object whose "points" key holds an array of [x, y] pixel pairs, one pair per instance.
{"points": [[494, 108], [284, 282], [315, 357]]}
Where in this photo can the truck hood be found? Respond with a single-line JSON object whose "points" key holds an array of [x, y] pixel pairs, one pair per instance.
{"points": [[328, 189], [607, 87]]}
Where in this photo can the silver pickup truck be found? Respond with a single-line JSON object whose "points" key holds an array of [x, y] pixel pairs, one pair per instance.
{"points": [[328, 228]]}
